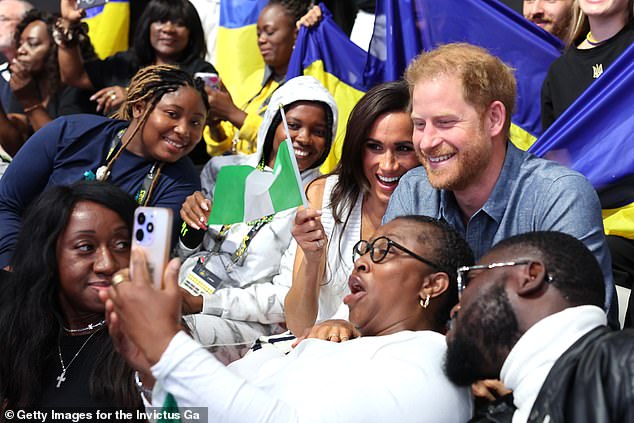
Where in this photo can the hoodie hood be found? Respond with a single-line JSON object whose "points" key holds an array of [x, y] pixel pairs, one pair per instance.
{"points": [[301, 88]]}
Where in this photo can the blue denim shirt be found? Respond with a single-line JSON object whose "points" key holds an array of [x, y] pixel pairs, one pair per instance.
{"points": [[531, 194]]}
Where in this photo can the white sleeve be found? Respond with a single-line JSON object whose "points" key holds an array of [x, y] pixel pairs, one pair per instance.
{"points": [[259, 302], [196, 379]]}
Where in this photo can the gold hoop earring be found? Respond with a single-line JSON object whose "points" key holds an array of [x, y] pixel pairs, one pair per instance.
{"points": [[425, 303]]}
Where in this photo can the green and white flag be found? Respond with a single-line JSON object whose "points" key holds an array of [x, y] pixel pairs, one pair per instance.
{"points": [[244, 193]]}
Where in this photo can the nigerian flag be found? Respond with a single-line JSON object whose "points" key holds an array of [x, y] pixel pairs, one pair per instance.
{"points": [[244, 193]]}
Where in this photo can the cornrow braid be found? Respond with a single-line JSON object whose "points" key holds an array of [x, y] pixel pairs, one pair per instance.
{"points": [[148, 86], [294, 8]]}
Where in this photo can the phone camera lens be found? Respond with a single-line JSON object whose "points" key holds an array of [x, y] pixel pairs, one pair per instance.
{"points": [[141, 218], [150, 227], [139, 234]]}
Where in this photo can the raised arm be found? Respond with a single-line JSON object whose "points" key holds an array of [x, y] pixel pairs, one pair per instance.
{"points": [[302, 301], [71, 65]]}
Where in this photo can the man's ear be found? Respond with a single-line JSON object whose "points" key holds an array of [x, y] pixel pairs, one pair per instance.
{"points": [[495, 118], [533, 279], [434, 285], [138, 109]]}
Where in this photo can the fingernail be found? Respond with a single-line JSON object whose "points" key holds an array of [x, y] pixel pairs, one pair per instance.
{"points": [[204, 206], [195, 226]]}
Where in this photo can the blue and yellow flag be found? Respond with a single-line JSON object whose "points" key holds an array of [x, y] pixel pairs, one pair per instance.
{"points": [[326, 53], [237, 53], [404, 28], [594, 136], [108, 27]]}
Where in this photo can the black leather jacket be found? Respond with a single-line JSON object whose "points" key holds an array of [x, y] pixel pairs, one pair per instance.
{"points": [[593, 381]]}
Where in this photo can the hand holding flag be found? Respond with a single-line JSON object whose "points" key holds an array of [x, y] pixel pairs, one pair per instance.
{"points": [[244, 193]]}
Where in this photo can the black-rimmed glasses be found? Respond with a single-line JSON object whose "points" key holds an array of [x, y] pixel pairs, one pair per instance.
{"points": [[380, 247], [463, 272]]}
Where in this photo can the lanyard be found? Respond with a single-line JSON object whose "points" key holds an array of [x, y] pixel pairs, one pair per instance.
{"points": [[142, 196], [240, 252]]}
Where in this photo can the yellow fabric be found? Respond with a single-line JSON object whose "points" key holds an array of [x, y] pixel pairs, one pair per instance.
{"points": [[246, 137], [520, 138], [346, 98], [108, 30], [619, 221], [237, 58]]}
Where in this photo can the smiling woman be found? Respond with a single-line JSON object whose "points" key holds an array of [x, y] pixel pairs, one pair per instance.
{"points": [[348, 204], [144, 153], [56, 351]]}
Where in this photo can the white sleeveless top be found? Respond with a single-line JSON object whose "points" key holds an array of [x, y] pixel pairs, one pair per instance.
{"points": [[339, 256]]}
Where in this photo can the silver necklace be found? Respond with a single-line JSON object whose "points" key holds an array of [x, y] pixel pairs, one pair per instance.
{"points": [[62, 376], [90, 327]]}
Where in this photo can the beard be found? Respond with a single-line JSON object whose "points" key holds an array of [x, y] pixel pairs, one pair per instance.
{"points": [[469, 164], [480, 344]]}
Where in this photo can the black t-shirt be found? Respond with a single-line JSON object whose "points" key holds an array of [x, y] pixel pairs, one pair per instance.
{"points": [[571, 74]]}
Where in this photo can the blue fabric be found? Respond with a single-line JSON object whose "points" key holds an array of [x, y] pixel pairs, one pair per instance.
{"points": [[239, 13], [60, 153], [594, 135], [328, 43], [404, 28], [531, 194]]}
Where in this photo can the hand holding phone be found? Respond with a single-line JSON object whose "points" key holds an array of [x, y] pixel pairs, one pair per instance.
{"points": [[152, 232], [209, 78]]}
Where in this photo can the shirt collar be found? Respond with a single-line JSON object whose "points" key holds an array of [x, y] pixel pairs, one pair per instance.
{"points": [[497, 202]]}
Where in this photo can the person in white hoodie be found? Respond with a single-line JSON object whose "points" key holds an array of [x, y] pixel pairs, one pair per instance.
{"points": [[241, 260]]}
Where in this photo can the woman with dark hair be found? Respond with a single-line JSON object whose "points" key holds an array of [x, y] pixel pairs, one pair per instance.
{"points": [[143, 151], [56, 351], [38, 93], [349, 204], [402, 288], [242, 260], [237, 121], [169, 32]]}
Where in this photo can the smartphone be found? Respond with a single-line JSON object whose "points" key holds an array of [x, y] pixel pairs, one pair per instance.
{"points": [[87, 4], [209, 78], [152, 232]]}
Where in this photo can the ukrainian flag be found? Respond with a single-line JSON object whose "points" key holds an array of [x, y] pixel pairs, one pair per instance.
{"points": [[237, 53], [594, 136], [326, 53], [404, 28], [108, 27]]}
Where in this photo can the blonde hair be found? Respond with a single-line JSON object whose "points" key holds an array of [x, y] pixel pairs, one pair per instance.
{"points": [[485, 78], [580, 25]]}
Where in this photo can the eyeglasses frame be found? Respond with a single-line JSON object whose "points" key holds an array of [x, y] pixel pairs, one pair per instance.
{"points": [[390, 244]]}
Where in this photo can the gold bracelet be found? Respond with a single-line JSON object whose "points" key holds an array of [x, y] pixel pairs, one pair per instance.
{"points": [[30, 109]]}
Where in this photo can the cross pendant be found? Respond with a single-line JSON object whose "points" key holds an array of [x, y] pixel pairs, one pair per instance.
{"points": [[61, 378]]}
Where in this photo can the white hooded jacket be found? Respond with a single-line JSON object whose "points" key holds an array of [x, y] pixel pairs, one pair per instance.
{"points": [[248, 292]]}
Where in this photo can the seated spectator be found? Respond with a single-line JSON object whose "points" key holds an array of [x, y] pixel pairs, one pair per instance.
{"points": [[245, 257], [12, 12], [348, 205], [473, 177], [38, 94], [56, 350], [402, 287], [550, 15], [144, 153], [238, 121], [531, 314], [169, 32]]}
